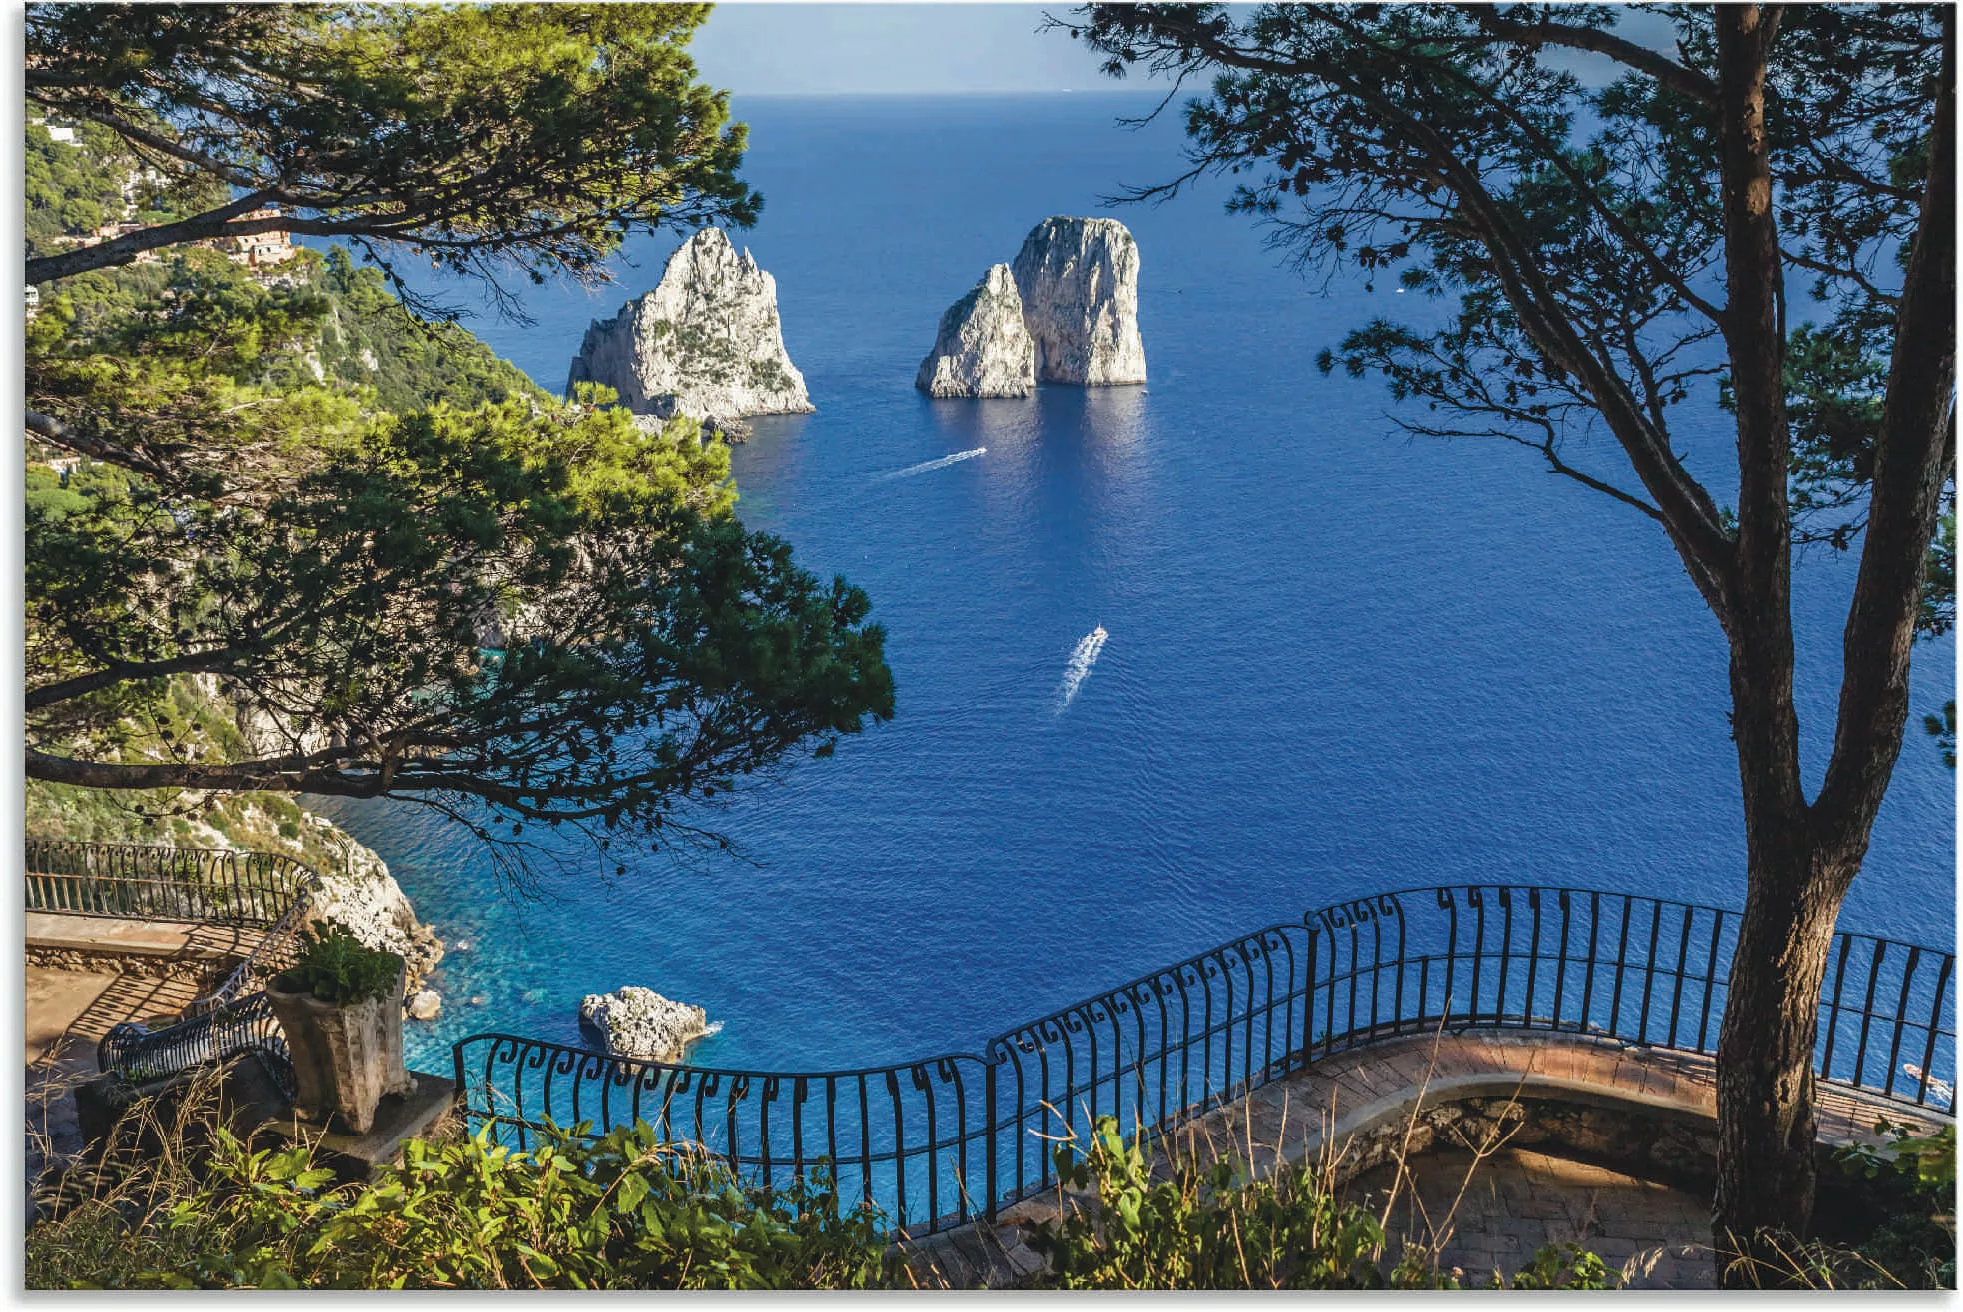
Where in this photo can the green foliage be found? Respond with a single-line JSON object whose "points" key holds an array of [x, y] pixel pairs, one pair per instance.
{"points": [[1938, 615], [369, 339], [1565, 1266], [1222, 1227], [507, 607], [1943, 729], [1925, 1163], [624, 1211], [335, 966], [1578, 227], [1903, 1204], [74, 187], [1915, 1241], [534, 136]]}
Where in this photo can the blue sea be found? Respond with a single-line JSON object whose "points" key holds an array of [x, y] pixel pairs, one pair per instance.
{"points": [[1339, 660]]}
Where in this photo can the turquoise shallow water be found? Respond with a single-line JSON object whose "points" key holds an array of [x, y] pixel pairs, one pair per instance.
{"points": [[1337, 661]]}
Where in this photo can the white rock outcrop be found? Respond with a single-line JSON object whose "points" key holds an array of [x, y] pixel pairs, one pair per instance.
{"points": [[983, 348], [365, 897], [1078, 279], [638, 1022], [424, 1004], [705, 342]]}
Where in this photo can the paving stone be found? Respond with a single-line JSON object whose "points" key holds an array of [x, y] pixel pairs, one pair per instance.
{"points": [[1520, 1197]]}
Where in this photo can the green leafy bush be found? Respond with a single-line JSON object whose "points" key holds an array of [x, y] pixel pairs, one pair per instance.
{"points": [[624, 1211], [335, 966], [1914, 1244], [1903, 1214], [1220, 1227]]}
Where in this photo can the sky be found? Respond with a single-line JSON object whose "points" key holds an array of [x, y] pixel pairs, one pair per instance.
{"points": [[824, 49], [830, 49]]}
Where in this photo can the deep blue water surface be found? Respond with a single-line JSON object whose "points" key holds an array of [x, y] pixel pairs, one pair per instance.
{"points": [[1339, 660]]}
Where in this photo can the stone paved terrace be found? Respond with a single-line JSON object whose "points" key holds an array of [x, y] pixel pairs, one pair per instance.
{"points": [[1492, 1213], [1540, 1105], [68, 1013], [87, 974]]}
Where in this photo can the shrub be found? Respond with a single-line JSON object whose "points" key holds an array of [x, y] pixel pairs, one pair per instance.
{"points": [[1914, 1244], [335, 966], [1220, 1227], [624, 1211], [1908, 1199]]}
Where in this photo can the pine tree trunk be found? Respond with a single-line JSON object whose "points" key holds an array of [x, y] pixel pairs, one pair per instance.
{"points": [[1801, 857], [1766, 1163]]}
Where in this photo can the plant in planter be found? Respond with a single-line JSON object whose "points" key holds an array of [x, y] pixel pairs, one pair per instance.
{"points": [[340, 1004]]}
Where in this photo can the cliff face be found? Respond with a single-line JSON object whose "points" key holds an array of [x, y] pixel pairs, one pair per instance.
{"points": [[1079, 284], [704, 343], [983, 348], [362, 895]]}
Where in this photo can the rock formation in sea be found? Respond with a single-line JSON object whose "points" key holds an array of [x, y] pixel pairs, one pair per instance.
{"points": [[424, 1004], [983, 348], [705, 342], [1078, 279], [638, 1022]]}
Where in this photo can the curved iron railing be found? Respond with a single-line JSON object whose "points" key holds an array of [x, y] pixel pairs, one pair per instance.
{"points": [[268, 955], [202, 885], [937, 1142], [242, 1025], [232, 1018], [146, 882]]}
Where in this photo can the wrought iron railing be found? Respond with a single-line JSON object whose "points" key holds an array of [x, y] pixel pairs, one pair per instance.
{"points": [[142, 882], [198, 885], [243, 1025], [231, 1019], [937, 1142]]}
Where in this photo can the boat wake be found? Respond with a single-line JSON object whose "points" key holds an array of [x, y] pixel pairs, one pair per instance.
{"points": [[932, 465], [1079, 668]]}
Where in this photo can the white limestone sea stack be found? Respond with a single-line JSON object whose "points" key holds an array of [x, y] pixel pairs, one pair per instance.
{"points": [[638, 1022], [706, 343], [983, 348], [1078, 279]]}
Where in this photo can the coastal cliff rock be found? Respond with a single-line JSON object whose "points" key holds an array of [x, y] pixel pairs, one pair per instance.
{"points": [[364, 896], [638, 1022], [705, 343], [1079, 284], [983, 348]]}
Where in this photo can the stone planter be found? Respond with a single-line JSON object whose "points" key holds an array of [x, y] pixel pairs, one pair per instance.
{"points": [[346, 1057]]}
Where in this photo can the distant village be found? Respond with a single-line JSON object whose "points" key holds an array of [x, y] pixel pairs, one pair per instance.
{"points": [[261, 252]]}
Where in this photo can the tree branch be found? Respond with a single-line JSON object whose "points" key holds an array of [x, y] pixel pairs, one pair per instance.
{"points": [[1685, 81], [1915, 454], [217, 661]]}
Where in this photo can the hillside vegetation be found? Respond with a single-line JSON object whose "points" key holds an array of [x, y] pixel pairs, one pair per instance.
{"points": [[321, 332]]}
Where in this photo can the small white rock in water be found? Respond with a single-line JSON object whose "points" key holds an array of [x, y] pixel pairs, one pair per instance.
{"points": [[424, 1005], [638, 1022], [461, 945]]}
